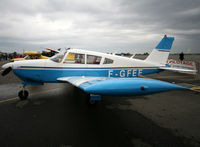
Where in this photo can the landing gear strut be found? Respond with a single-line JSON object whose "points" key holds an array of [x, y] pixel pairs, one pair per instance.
{"points": [[90, 99], [93, 99], [23, 94]]}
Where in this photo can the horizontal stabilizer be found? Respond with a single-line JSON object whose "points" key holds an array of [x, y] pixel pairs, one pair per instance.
{"points": [[181, 70]]}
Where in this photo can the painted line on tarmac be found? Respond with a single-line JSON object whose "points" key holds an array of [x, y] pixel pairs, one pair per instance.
{"points": [[14, 98], [9, 99], [197, 88], [192, 87]]}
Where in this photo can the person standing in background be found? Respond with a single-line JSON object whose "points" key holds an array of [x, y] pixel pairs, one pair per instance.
{"points": [[181, 56]]}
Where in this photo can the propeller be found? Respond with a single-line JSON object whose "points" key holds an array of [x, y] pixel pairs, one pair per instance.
{"points": [[6, 71]]}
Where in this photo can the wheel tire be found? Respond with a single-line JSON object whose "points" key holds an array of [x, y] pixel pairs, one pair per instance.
{"points": [[23, 94]]}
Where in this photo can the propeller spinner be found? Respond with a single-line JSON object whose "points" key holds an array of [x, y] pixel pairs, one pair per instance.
{"points": [[7, 68], [6, 71]]}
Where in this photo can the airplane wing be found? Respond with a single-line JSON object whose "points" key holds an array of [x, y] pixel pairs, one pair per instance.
{"points": [[182, 70], [119, 86]]}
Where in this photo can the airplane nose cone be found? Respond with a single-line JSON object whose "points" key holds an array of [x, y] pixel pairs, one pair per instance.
{"points": [[7, 65]]}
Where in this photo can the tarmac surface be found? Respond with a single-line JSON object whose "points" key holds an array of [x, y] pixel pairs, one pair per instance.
{"points": [[57, 115]]}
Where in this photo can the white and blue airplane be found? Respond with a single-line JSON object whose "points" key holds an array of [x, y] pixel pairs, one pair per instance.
{"points": [[98, 73]]}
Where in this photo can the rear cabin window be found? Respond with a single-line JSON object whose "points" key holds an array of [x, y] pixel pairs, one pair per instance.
{"points": [[91, 59], [75, 58], [108, 61]]}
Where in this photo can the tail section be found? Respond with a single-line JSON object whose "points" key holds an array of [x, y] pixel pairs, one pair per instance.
{"points": [[160, 54]]}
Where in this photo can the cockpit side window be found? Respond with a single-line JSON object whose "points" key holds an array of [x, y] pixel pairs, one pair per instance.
{"points": [[91, 59], [75, 58], [107, 61]]}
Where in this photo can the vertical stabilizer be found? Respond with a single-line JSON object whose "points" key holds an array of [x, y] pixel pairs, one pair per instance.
{"points": [[160, 54]]}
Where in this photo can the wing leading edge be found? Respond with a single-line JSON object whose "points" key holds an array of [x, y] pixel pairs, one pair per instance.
{"points": [[119, 86]]}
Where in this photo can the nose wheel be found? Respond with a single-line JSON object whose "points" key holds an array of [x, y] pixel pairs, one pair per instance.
{"points": [[23, 94]]}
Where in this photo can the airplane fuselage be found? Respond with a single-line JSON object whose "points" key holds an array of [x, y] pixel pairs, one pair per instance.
{"points": [[48, 70]]}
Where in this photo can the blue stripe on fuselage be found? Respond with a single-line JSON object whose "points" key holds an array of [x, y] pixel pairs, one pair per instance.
{"points": [[85, 68], [46, 75]]}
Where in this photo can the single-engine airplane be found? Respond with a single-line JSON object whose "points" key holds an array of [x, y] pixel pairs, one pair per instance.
{"points": [[98, 73]]}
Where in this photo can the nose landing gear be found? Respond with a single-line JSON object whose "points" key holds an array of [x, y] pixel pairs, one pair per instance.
{"points": [[23, 94]]}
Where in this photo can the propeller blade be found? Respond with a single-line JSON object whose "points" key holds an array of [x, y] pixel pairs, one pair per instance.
{"points": [[6, 71]]}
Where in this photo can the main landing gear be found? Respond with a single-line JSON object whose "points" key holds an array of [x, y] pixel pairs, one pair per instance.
{"points": [[93, 99], [90, 99], [23, 94]]}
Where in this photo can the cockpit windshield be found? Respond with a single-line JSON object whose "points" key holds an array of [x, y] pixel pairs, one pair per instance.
{"points": [[58, 57]]}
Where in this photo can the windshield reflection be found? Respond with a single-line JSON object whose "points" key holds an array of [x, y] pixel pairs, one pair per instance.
{"points": [[58, 57]]}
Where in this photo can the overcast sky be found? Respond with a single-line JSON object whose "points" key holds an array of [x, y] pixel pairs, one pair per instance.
{"points": [[134, 26]]}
